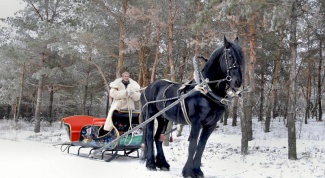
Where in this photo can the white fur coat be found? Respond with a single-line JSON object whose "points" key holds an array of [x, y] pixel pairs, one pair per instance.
{"points": [[122, 98]]}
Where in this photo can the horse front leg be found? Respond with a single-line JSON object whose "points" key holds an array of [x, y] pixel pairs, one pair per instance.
{"points": [[205, 134], [159, 138], [188, 170]]}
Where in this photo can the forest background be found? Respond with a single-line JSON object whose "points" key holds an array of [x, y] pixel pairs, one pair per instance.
{"points": [[58, 56]]}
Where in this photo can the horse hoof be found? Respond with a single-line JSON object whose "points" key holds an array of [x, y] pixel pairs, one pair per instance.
{"points": [[164, 169], [151, 168], [189, 176]]}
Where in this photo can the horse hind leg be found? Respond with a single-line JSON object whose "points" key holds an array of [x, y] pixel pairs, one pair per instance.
{"points": [[148, 152], [159, 138]]}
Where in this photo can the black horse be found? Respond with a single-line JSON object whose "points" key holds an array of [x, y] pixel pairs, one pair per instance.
{"points": [[203, 109]]}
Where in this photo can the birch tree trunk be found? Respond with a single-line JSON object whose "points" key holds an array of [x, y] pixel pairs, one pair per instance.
{"points": [[37, 126], [292, 149], [120, 19], [170, 55], [308, 93], [170, 41], [319, 85], [50, 114], [243, 113], [275, 82], [261, 111], [225, 116], [20, 92], [308, 86], [84, 102], [243, 123], [154, 67], [234, 112], [198, 36], [251, 81], [252, 29], [142, 76], [122, 45]]}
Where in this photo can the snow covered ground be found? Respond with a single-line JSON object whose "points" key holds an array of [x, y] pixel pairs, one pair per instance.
{"points": [[26, 154]]}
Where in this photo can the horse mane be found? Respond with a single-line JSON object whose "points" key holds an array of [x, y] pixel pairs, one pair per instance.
{"points": [[239, 53]]}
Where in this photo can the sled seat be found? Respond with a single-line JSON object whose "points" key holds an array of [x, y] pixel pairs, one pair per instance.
{"points": [[78, 126], [122, 120], [74, 124]]}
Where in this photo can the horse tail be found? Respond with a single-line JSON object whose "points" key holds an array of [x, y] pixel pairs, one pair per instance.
{"points": [[146, 112], [144, 115]]}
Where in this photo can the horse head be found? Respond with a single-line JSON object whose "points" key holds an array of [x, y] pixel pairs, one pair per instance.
{"points": [[234, 60], [225, 63]]}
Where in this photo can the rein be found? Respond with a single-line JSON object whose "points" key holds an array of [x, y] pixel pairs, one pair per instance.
{"points": [[202, 86], [177, 97], [111, 144]]}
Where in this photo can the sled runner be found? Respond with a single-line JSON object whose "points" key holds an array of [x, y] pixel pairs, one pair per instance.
{"points": [[87, 132]]}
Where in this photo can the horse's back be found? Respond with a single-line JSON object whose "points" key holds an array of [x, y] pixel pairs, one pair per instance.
{"points": [[156, 88]]}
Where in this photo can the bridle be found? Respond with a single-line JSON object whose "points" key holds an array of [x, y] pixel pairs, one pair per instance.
{"points": [[226, 54], [233, 66], [210, 94]]}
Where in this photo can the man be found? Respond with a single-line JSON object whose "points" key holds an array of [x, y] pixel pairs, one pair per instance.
{"points": [[124, 92]]}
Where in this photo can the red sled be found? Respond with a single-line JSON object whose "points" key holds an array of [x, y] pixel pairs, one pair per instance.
{"points": [[87, 132]]}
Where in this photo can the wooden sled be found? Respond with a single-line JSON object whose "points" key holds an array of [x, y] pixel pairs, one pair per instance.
{"points": [[87, 132]]}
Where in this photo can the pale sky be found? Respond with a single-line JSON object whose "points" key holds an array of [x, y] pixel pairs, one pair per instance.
{"points": [[9, 7]]}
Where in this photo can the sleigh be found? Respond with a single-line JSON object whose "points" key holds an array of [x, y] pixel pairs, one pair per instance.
{"points": [[86, 132]]}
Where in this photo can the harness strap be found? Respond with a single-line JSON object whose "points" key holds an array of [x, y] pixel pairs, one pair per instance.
{"points": [[187, 119], [164, 94], [217, 99]]}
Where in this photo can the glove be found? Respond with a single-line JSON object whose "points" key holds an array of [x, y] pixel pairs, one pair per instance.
{"points": [[129, 93]]}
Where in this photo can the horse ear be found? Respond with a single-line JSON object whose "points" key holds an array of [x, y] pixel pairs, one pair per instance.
{"points": [[236, 40], [226, 42]]}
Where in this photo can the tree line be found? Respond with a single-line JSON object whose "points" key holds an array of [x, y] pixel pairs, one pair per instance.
{"points": [[58, 56]]}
